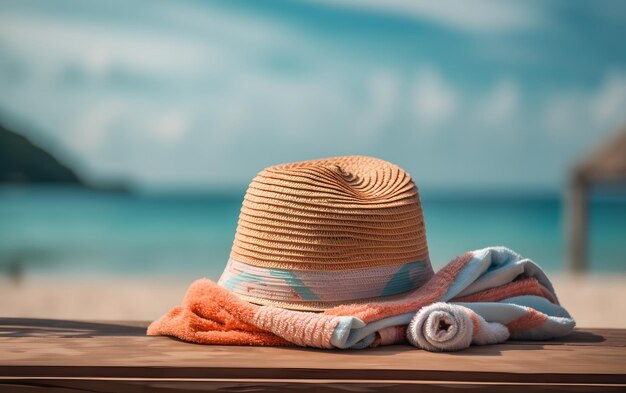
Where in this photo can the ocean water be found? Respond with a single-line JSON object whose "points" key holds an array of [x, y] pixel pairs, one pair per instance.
{"points": [[75, 232]]}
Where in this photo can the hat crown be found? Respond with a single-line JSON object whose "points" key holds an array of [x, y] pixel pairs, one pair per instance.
{"points": [[341, 214]]}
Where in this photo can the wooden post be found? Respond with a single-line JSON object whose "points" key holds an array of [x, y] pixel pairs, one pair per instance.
{"points": [[577, 221]]}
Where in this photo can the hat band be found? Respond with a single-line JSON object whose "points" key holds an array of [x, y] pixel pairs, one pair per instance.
{"points": [[263, 285]]}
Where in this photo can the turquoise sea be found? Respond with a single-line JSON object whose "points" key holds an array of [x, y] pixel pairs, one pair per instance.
{"points": [[77, 232]]}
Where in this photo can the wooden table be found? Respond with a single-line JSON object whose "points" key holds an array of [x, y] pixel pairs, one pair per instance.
{"points": [[72, 356]]}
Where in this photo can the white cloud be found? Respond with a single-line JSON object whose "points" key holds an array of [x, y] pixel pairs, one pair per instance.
{"points": [[90, 128], [381, 103], [501, 103], [170, 127], [473, 16], [434, 100], [565, 113], [609, 103], [206, 41], [96, 49], [588, 113]]}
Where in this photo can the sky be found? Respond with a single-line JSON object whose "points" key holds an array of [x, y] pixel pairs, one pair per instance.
{"points": [[201, 95]]}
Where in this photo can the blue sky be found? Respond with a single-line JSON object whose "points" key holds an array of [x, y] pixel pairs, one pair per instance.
{"points": [[201, 95]]}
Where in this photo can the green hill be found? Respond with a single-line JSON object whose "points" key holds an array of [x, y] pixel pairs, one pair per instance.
{"points": [[21, 161]]}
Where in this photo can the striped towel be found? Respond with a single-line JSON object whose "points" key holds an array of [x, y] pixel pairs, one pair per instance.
{"points": [[482, 297]]}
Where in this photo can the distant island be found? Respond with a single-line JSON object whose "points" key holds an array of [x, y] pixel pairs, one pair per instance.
{"points": [[23, 162]]}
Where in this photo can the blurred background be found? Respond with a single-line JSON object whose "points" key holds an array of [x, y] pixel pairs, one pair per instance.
{"points": [[130, 130]]}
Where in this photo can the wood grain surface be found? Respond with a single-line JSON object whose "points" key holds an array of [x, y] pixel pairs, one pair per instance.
{"points": [[118, 356]]}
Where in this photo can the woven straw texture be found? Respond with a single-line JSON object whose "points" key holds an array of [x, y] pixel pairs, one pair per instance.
{"points": [[329, 215]]}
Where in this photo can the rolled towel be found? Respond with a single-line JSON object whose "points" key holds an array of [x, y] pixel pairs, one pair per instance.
{"points": [[451, 327]]}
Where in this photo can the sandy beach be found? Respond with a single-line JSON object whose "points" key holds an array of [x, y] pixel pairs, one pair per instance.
{"points": [[594, 300]]}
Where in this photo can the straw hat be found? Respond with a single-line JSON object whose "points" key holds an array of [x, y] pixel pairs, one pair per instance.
{"points": [[319, 233]]}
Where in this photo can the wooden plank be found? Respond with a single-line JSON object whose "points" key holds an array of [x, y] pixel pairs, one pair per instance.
{"points": [[137, 386], [591, 337], [63, 354]]}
